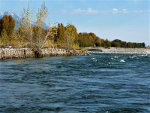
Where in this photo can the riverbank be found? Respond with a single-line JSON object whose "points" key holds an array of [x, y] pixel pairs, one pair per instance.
{"points": [[9, 53], [114, 50]]}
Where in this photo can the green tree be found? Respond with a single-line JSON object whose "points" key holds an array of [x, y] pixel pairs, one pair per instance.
{"points": [[98, 42], [25, 29], [115, 44], [35, 37], [7, 25], [4, 37], [60, 34], [70, 35], [84, 40], [107, 43]]}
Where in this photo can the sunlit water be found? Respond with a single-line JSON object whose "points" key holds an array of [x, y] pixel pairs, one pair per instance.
{"points": [[101, 83]]}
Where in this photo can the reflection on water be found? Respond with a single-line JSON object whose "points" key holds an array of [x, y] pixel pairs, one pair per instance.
{"points": [[101, 83]]}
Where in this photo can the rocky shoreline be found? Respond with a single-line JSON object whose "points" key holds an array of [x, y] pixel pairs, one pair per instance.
{"points": [[10, 53], [113, 50]]}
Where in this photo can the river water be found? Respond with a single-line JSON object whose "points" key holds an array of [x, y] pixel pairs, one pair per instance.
{"points": [[102, 83]]}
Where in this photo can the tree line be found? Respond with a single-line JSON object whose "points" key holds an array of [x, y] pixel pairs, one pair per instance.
{"points": [[27, 35]]}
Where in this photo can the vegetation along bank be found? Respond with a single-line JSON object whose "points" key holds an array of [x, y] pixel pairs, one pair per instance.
{"points": [[32, 39]]}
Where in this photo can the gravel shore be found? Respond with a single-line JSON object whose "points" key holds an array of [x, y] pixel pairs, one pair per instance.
{"points": [[118, 50]]}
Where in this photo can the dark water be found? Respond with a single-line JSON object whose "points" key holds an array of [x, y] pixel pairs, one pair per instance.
{"points": [[95, 84]]}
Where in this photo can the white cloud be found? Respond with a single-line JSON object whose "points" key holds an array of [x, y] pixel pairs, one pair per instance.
{"points": [[124, 11], [140, 11], [85, 11], [115, 10]]}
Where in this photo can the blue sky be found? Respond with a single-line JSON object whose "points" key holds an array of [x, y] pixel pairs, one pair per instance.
{"points": [[128, 20]]}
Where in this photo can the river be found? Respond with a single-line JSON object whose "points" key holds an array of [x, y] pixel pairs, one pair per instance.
{"points": [[102, 83]]}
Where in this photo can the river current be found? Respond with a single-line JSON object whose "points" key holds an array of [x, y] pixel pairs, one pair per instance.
{"points": [[102, 83]]}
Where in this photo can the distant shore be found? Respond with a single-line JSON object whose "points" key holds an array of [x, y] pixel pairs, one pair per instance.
{"points": [[114, 50]]}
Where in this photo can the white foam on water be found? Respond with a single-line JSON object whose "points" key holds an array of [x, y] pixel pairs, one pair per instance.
{"points": [[112, 58], [144, 55], [122, 60], [116, 57], [134, 56], [94, 59]]}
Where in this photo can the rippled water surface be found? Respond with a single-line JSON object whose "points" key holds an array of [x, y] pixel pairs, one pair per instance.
{"points": [[101, 83]]}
